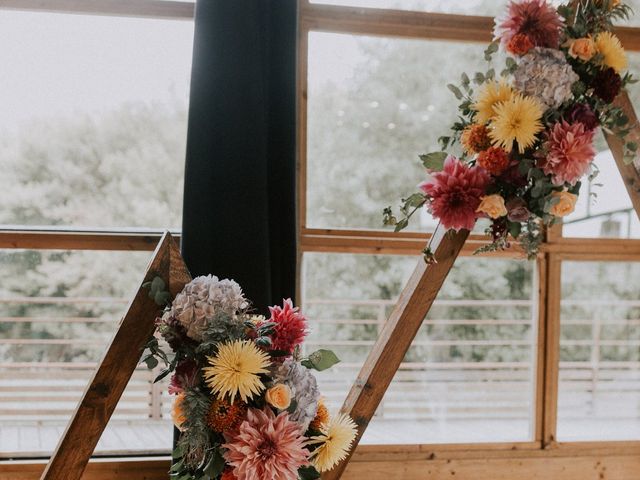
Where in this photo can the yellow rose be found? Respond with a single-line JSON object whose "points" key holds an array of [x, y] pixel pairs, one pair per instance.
{"points": [[582, 48], [565, 205], [492, 205], [279, 396]]}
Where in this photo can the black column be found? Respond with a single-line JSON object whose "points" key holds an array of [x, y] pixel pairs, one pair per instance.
{"points": [[239, 197]]}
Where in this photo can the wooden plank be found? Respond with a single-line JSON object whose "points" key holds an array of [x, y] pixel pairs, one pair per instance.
{"points": [[551, 352], [118, 364], [52, 239], [398, 333], [630, 172], [163, 9], [416, 24]]}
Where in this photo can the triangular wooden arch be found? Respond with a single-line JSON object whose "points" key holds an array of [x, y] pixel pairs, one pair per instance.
{"points": [[418, 295], [100, 398]]}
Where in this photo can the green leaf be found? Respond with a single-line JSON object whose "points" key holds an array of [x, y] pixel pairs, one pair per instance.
{"points": [[178, 452], [479, 78], [151, 361], [162, 374], [514, 229], [456, 91], [434, 161], [308, 473], [401, 225], [465, 79], [415, 200], [215, 465], [321, 360]]}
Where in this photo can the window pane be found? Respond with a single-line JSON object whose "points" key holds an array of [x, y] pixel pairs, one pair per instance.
{"points": [[374, 105], [93, 124], [58, 312], [599, 361], [469, 375]]}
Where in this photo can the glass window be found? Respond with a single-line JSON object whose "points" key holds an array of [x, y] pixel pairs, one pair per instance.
{"points": [[58, 312], [469, 375], [93, 124], [599, 361], [374, 105]]}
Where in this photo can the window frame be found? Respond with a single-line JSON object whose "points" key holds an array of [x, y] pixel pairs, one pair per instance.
{"points": [[555, 249]]}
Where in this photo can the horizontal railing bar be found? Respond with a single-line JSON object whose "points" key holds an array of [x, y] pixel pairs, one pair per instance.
{"points": [[436, 343], [457, 303], [57, 320], [53, 341], [62, 300]]}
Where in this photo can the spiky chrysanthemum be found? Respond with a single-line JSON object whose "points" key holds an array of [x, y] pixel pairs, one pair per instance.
{"points": [[516, 120], [492, 93], [334, 443], [235, 370], [611, 51]]}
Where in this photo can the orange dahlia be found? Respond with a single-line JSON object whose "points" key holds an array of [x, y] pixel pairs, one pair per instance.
{"points": [[475, 138], [224, 415], [494, 160], [322, 416], [177, 412], [519, 44]]}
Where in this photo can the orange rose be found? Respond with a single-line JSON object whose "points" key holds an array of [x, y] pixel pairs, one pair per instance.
{"points": [[493, 206], [279, 396], [582, 48], [565, 205]]}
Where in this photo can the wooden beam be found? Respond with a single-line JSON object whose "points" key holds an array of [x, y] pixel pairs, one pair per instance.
{"points": [[162, 9], [69, 239], [115, 369], [629, 171], [398, 333], [415, 24]]}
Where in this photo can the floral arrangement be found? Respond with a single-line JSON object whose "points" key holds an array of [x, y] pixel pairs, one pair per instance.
{"points": [[247, 403], [526, 135]]}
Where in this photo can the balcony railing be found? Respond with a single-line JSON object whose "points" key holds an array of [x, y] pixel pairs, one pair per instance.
{"points": [[43, 392]]}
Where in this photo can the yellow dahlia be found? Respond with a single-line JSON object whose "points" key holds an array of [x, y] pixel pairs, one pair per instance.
{"points": [[334, 442], [493, 93], [235, 370], [611, 50], [516, 120]]}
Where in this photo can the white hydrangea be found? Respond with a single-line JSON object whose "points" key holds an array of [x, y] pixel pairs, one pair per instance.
{"points": [[545, 74], [304, 390], [202, 298]]}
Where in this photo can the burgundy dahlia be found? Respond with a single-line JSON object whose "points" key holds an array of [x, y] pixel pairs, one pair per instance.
{"points": [[607, 84], [581, 112]]}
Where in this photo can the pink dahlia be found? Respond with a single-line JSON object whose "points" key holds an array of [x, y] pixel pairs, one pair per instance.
{"points": [[290, 328], [266, 447], [454, 193], [569, 152], [535, 20]]}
